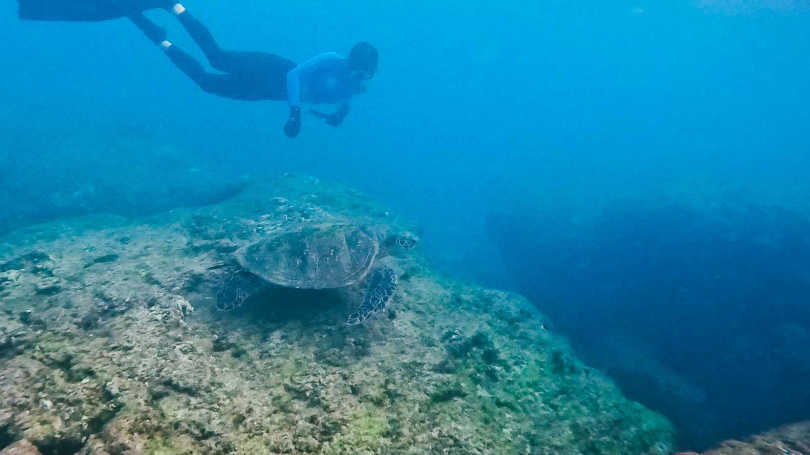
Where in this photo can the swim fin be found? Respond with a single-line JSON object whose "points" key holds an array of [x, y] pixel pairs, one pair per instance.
{"points": [[85, 10]]}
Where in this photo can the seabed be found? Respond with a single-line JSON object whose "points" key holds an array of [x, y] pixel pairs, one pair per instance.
{"points": [[111, 344]]}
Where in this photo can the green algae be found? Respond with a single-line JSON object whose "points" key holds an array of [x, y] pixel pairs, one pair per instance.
{"points": [[365, 431]]}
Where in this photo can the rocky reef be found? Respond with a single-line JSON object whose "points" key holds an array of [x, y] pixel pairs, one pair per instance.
{"points": [[787, 440], [111, 344]]}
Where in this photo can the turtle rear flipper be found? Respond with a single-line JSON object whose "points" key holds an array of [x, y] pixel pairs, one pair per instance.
{"points": [[381, 287], [235, 288]]}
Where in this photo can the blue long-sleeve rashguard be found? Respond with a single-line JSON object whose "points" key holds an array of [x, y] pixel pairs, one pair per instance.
{"points": [[323, 79]]}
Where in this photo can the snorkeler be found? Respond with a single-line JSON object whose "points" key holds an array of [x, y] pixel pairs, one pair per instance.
{"points": [[328, 78]]}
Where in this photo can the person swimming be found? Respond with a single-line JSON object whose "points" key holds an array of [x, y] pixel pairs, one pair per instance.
{"points": [[328, 78]]}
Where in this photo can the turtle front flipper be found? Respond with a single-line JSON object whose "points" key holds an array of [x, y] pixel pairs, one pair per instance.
{"points": [[381, 287], [235, 288]]}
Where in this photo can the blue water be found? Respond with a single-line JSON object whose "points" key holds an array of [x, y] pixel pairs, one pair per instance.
{"points": [[697, 310], [477, 107]]}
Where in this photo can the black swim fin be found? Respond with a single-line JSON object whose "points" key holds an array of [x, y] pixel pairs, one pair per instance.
{"points": [[84, 10]]}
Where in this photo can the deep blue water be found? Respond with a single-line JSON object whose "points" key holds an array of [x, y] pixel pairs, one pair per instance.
{"points": [[699, 311], [478, 107]]}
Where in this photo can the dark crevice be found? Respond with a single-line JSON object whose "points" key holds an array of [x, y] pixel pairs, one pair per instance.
{"points": [[7, 435]]}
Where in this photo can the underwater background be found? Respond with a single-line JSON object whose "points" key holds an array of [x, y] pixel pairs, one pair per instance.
{"points": [[622, 164]]}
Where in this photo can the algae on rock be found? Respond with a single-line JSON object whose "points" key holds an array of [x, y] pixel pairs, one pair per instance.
{"points": [[132, 357]]}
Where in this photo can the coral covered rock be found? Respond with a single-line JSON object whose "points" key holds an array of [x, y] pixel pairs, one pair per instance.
{"points": [[788, 440], [125, 353]]}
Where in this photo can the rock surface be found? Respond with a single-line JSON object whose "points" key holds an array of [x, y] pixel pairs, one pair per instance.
{"points": [[787, 440], [110, 344]]}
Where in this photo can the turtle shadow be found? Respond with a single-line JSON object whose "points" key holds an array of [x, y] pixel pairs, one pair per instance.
{"points": [[298, 313], [280, 304]]}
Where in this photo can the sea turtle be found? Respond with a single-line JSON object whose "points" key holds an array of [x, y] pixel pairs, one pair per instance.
{"points": [[322, 256]]}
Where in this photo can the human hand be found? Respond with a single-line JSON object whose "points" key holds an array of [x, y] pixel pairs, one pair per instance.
{"points": [[293, 126], [334, 119]]}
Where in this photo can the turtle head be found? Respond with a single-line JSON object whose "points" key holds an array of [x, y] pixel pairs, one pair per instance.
{"points": [[401, 241]]}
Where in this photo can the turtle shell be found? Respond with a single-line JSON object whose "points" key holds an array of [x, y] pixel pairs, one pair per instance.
{"points": [[313, 257]]}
